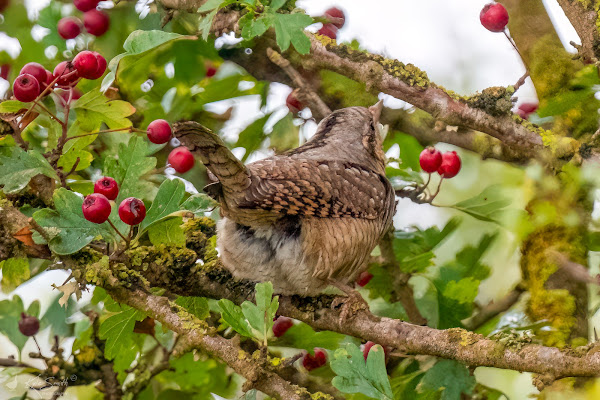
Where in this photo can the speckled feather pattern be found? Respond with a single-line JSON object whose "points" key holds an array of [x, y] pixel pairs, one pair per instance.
{"points": [[303, 219]]}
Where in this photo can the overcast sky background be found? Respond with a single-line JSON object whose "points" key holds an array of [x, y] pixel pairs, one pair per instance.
{"points": [[444, 38]]}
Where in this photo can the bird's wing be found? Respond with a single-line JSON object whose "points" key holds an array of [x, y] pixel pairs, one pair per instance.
{"points": [[325, 189]]}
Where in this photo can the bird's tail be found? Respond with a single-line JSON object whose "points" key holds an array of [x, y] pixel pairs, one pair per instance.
{"points": [[210, 149]]}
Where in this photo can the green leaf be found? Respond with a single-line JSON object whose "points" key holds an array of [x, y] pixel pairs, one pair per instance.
{"points": [[277, 4], [66, 227], [487, 206], [19, 166], [206, 22], [232, 314], [285, 134], [448, 377], [56, 317], [302, 336], [34, 309], [14, 272], [117, 330], [83, 333], [252, 28], [167, 199], [10, 313], [289, 28], [260, 315], [12, 106], [354, 375], [198, 203], [197, 306], [94, 108], [168, 232], [252, 136]]}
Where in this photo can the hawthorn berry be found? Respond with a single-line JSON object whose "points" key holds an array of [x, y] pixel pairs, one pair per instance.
{"points": [[450, 165], [526, 109], [336, 17], [430, 159], [329, 30], [69, 27], [181, 159], [101, 66], [211, 70], [293, 104], [364, 278], [66, 73], [494, 17], [26, 88], [281, 325], [367, 348], [96, 208], [36, 70], [4, 71], [96, 22], [159, 131], [86, 64], [85, 5], [311, 362], [132, 211], [29, 325], [107, 186]]}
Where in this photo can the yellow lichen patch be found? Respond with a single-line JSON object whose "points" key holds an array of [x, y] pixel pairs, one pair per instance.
{"points": [[494, 100]]}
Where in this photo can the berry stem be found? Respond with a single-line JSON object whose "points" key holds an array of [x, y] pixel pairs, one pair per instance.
{"points": [[116, 230], [37, 344], [428, 181], [42, 94], [128, 240], [128, 129], [437, 190], [47, 111], [521, 80]]}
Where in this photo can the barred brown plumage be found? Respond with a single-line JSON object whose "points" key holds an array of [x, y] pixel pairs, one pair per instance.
{"points": [[306, 218]]}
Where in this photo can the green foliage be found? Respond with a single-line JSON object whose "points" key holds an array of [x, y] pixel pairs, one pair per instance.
{"points": [[302, 336], [14, 272], [19, 166], [56, 316], [252, 320], [354, 375], [448, 377], [68, 231], [489, 206], [10, 313], [198, 306], [117, 330]]}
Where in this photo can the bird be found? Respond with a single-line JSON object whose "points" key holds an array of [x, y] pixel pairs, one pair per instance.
{"points": [[305, 219]]}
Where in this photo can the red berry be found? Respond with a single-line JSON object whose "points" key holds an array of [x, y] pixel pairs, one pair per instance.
{"points": [[96, 208], [367, 348], [430, 159], [29, 325], [281, 325], [26, 88], [4, 4], [181, 159], [66, 73], [159, 132], [364, 278], [86, 64], [4, 71], [211, 70], [293, 104], [85, 5], [96, 22], [494, 17], [313, 362], [329, 30], [36, 70], [450, 165], [69, 27], [336, 17], [107, 186], [132, 211], [526, 109], [101, 66]]}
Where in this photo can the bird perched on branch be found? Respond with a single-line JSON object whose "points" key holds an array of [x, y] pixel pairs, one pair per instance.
{"points": [[307, 218]]}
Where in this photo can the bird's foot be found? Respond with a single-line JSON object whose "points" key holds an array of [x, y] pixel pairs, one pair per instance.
{"points": [[349, 305]]}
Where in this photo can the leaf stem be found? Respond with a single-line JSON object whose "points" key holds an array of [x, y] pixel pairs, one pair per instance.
{"points": [[129, 129]]}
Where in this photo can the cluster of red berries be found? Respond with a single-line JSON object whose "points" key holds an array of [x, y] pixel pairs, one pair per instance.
{"points": [[494, 17], [180, 158], [34, 80], [337, 19], [447, 164], [95, 22], [96, 207]]}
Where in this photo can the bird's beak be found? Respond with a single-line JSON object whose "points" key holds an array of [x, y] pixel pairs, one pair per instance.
{"points": [[376, 111]]}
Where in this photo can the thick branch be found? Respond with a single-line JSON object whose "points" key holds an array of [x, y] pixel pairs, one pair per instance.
{"points": [[584, 21]]}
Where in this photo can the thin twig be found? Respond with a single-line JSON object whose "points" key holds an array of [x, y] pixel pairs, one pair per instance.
{"points": [[116, 230], [492, 309]]}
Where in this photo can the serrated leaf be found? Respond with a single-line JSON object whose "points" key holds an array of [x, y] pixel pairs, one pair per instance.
{"points": [[198, 203], [117, 330], [94, 108], [354, 375], [252, 136], [487, 206], [289, 28], [56, 318], [260, 315], [68, 289], [168, 232], [232, 314], [12, 106], [448, 377], [197, 306], [19, 166], [68, 230], [277, 4], [167, 200], [302, 336], [15, 271]]}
